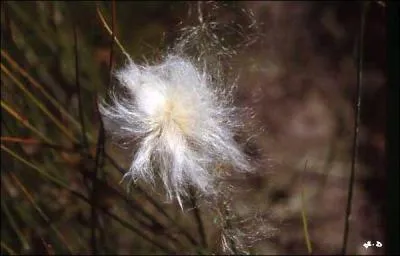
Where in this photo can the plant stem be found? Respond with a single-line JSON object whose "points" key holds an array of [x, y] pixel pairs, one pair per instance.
{"points": [[356, 131]]}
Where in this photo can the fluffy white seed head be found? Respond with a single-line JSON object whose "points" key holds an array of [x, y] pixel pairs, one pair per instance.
{"points": [[182, 121]]}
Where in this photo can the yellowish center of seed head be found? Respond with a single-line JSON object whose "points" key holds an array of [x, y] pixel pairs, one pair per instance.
{"points": [[177, 114]]}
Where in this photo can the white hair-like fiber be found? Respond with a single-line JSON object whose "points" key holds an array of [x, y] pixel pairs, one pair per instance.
{"points": [[183, 122]]}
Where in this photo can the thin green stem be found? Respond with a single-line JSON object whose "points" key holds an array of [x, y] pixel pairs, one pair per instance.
{"points": [[304, 218], [104, 22]]}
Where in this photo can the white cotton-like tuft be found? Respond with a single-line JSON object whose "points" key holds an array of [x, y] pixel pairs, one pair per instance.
{"points": [[182, 122]]}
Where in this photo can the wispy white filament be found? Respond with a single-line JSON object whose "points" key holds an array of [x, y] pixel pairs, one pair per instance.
{"points": [[182, 122]]}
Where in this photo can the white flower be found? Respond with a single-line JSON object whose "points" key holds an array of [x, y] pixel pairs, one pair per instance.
{"points": [[182, 122]]}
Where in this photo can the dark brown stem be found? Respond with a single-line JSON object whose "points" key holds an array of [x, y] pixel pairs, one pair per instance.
{"points": [[357, 112]]}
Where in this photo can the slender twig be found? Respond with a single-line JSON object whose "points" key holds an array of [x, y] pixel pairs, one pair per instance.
{"points": [[138, 231], [104, 22], [101, 139], [98, 160], [111, 58], [131, 202], [59, 183], [93, 193], [78, 85], [154, 203], [137, 208], [197, 216], [357, 118], [110, 62]]}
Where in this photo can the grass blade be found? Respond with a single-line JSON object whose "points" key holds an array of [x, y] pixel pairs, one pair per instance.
{"points": [[133, 205], [33, 166], [24, 121], [7, 248], [40, 211], [32, 141], [37, 85], [39, 104], [304, 218], [82, 197], [14, 226], [104, 22]]}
